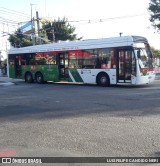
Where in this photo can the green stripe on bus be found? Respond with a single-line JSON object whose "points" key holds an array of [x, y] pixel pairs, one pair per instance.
{"points": [[76, 75]]}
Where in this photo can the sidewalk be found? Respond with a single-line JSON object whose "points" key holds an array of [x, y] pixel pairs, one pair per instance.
{"points": [[8, 81]]}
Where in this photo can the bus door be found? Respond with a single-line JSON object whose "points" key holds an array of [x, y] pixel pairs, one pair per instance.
{"points": [[124, 64], [63, 65], [18, 67]]}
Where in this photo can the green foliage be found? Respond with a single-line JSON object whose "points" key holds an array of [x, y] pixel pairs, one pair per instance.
{"points": [[51, 31], [60, 30], [19, 40], [154, 8], [4, 61], [155, 52]]}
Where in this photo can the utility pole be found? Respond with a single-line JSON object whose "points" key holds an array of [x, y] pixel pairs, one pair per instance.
{"points": [[38, 25], [32, 24]]}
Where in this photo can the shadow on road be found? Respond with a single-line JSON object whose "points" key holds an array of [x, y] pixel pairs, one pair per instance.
{"points": [[68, 100]]}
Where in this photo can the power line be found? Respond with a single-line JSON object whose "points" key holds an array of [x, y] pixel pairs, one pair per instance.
{"points": [[12, 18], [8, 14], [81, 21], [13, 11], [8, 20], [106, 19]]}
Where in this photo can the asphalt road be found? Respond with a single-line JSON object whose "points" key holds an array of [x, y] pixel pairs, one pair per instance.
{"points": [[80, 120]]}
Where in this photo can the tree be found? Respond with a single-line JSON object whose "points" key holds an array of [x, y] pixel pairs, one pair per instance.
{"points": [[156, 56], [155, 52], [60, 30], [18, 39], [4, 61], [154, 8], [51, 31]]}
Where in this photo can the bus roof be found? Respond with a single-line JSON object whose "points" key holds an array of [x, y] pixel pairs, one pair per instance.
{"points": [[80, 44]]}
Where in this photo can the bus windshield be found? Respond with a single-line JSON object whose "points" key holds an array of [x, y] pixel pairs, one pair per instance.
{"points": [[144, 56]]}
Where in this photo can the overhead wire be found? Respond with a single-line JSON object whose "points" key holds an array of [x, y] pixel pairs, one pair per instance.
{"points": [[90, 21], [17, 23], [13, 11], [12, 18]]}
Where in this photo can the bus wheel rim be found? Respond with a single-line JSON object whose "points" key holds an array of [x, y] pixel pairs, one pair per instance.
{"points": [[103, 80]]}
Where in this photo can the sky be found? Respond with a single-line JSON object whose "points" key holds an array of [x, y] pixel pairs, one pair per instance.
{"points": [[93, 18]]}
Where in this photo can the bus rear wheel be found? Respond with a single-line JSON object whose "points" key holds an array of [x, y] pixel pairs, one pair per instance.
{"points": [[103, 80], [39, 78], [28, 77]]}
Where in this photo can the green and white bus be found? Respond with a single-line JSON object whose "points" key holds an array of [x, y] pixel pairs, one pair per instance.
{"points": [[117, 60]]}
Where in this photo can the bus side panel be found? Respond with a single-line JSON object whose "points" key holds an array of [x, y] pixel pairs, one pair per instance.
{"points": [[12, 71], [75, 76], [11, 66], [90, 75], [49, 72]]}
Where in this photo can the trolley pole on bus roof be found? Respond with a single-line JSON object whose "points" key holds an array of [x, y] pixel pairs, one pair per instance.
{"points": [[120, 34]]}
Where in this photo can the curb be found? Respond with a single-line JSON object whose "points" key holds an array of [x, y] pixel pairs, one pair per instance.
{"points": [[6, 83]]}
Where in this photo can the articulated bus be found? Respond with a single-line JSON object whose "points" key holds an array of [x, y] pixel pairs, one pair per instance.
{"points": [[117, 60]]}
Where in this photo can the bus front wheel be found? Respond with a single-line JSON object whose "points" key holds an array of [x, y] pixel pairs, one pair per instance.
{"points": [[103, 80], [39, 78], [28, 77]]}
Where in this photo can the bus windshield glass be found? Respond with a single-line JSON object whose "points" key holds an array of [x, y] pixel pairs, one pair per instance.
{"points": [[144, 55]]}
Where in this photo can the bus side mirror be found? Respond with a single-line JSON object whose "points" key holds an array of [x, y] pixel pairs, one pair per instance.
{"points": [[138, 54]]}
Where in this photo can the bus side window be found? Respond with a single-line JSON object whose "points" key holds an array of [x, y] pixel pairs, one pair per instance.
{"points": [[113, 61], [105, 58], [133, 64]]}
